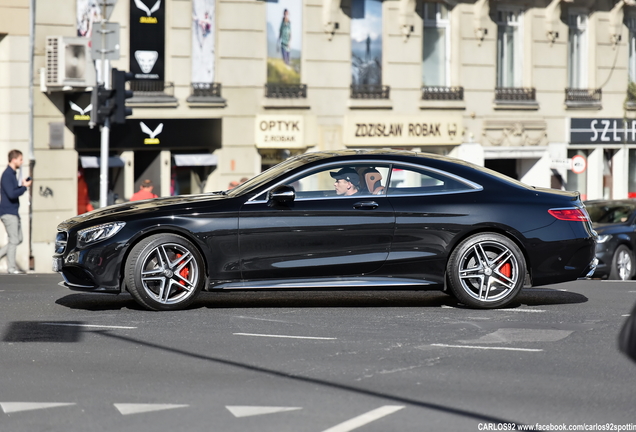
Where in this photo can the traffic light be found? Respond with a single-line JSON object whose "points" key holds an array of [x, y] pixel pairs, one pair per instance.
{"points": [[111, 104], [120, 112], [102, 103]]}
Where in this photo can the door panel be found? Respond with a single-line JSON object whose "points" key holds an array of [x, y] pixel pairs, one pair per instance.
{"points": [[316, 237]]}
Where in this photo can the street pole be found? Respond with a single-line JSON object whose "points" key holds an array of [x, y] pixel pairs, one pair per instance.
{"points": [[105, 130]]}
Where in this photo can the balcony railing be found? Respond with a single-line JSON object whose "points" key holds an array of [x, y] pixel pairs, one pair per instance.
{"points": [[286, 91], [150, 88], [206, 90], [370, 91], [585, 96], [442, 93], [515, 94]]}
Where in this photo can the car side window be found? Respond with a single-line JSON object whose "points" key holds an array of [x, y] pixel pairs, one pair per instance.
{"points": [[341, 180], [411, 181]]}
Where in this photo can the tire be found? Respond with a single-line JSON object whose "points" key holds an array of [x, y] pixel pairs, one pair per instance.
{"points": [[622, 264], [164, 261], [486, 271]]}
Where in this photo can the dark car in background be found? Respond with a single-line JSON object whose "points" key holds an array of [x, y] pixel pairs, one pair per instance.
{"points": [[615, 223], [416, 221]]}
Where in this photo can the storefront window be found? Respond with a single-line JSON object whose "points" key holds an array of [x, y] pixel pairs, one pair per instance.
{"points": [[436, 45], [284, 41], [631, 25], [509, 48], [577, 182], [366, 42]]}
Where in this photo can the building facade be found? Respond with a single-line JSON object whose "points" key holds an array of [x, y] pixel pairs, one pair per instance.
{"points": [[223, 89]]}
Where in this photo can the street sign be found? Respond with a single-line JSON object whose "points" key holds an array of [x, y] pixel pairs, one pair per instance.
{"points": [[105, 41], [106, 7], [579, 164]]}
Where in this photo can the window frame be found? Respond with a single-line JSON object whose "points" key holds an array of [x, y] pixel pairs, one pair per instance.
{"points": [[578, 25], [438, 22], [503, 13], [261, 197]]}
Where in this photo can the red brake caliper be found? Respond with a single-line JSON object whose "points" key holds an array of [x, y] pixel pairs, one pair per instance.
{"points": [[506, 270], [185, 271]]}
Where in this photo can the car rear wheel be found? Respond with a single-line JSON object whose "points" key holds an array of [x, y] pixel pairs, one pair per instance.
{"points": [[622, 264], [164, 272], [486, 271]]}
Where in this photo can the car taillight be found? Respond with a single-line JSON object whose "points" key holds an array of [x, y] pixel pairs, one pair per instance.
{"points": [[570, 214]]}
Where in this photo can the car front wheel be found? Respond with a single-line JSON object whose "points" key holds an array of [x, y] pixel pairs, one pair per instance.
{"points": [[622, 264], [164, 272], [486, 271]]}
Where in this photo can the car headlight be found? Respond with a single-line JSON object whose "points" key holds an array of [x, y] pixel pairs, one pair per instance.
{"points": [[98, 233], [603, 238]]}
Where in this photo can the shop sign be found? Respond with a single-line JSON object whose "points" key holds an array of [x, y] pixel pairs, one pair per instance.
{"points": [[280, 131], [602, 131], [394, 130], [147, 39], [155, 134], [77, 109]]}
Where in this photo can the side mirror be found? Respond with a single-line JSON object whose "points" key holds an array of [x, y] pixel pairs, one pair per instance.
{"points": [[281, 195]]}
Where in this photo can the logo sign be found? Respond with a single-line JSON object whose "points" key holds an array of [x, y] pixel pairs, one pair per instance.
{"points": [[146, 60], [425, 129], [151, 133], [148, 19], [579, 164], [602, 131], [280, 131], [77, 109], [147, 39]]}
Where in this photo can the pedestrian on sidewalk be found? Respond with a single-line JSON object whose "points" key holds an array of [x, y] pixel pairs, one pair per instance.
{"points": [[10, 191]]}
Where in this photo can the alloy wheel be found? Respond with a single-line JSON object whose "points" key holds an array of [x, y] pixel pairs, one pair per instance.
{"points": [[488, 271], [169, 273]]}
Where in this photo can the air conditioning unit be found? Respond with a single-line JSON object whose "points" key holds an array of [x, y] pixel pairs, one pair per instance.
{"points": [[68, 63]]}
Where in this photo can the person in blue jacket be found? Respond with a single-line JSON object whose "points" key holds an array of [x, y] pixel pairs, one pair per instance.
{"points": [[10, 191]]}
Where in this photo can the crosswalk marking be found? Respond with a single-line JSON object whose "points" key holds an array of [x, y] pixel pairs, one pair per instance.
{"points": [[11, 407], [126, 409], [247, 411], [365, 418]]}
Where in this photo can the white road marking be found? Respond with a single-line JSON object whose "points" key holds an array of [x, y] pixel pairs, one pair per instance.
{"points": [[625, 315], [520, 310], [487, 348], [365, 418], [284, 336], [126, 409], [88, 325], [543, 289], [448, 307], [631, 291], [259, 319], [11, 407], [247, 411]]}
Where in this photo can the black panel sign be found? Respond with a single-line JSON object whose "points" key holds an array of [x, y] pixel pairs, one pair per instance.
{"points": [[77, 109], [155, 134], [147, 39], [602, 131]]}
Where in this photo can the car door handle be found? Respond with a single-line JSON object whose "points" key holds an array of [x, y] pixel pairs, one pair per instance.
{"points": [[366, 205]]}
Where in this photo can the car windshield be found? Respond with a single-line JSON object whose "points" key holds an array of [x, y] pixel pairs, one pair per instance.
{"points": [[274, 172], [609, 213]]}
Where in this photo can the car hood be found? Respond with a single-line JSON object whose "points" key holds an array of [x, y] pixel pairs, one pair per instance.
{"points": [[118, 211]]}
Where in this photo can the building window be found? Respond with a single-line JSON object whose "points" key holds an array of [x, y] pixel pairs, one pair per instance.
{"points": [[577, 50], [366, 50], [284, 49], [631, 68], [436, 46], [509, 48]]}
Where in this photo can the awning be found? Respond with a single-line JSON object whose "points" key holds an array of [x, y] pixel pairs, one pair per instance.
{"points": [[94, 162], [201, 159]]}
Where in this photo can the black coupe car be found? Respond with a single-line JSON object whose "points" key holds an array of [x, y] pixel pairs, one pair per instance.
{"points": [[349, 219], [615, 223]]}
